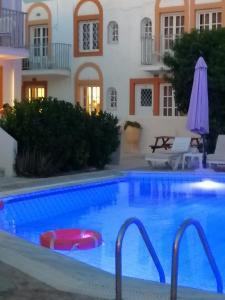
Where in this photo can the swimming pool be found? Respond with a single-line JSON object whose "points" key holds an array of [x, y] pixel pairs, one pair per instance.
{"points": [[161, 201]]}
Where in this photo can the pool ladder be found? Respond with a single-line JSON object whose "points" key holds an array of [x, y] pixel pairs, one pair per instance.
{"points": [[175, 255], [148, 244]]}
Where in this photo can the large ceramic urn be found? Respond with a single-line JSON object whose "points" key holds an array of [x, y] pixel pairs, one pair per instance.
{"points": [[132, 135]]}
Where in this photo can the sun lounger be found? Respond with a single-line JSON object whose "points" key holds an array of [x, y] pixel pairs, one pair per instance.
{"points": [[218, 157], [173, 156]]}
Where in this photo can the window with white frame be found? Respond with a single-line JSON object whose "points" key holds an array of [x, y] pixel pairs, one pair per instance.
{"points": [[167, 103], [146, 41], [172, 27], [208, 20], [113, 33], [112, 99], [39, 40], [89, 36]]}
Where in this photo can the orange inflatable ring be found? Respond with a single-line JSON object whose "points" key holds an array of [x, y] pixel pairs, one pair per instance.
{"points": [[70, 239], [1, 204]]}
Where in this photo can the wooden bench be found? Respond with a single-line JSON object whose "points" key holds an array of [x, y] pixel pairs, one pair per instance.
{"points": [[165, 142], [162, 142]]}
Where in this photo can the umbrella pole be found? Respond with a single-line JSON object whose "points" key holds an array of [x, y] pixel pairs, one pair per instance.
{"points": [[204, 151]]}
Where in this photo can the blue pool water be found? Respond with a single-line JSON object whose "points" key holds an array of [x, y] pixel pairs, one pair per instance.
{"points": [[161, 201]]}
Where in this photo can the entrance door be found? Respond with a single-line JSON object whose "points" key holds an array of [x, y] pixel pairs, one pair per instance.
{"points": [[144, 99], [39, 46], [90, 98], [34, 90]]}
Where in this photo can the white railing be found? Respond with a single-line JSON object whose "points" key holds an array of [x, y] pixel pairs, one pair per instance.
{"points": [[151, 53], [50, 56], [12, 28]]}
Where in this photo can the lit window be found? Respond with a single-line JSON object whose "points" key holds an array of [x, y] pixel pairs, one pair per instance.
{"points": [[35, 92], [113, 33], [112, 99], [93, 99]]}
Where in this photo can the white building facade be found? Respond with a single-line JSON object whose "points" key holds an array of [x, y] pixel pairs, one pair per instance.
{"points": [[107, 55], [12, 50]]}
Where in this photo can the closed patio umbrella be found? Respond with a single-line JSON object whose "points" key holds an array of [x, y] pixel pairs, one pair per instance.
{"points": [[198, 111]]}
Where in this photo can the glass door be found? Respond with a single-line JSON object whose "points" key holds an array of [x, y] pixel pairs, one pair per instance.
{"points": [[39, 46], [90, 98], [35, 92]]}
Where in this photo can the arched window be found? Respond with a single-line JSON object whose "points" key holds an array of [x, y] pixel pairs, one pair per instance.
{"points": [[146, 41], [112, 99], [113, 33], [88, 28]]}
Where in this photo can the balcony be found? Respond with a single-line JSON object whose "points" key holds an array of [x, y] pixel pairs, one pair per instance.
{"points": [[151, 58], [50, 59], [12, 42]]}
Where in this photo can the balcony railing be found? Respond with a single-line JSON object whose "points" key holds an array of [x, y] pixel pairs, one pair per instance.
{"points": [[149, 53], [12, 28], [50, 56]]}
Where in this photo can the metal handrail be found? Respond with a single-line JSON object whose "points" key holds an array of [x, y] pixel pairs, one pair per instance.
{"points": [[119, 242], [175, 257], [49, 56], [12, 25]]}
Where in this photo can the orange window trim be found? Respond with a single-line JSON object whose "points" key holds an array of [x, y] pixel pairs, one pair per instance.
{"points": [[30, 23], [207, 6], [77, 19], [159, 11], [156, 81], [189, 10], [82, 82]]}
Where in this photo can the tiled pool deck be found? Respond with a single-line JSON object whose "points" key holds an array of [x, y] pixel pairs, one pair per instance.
{"points": [[31, 272]]}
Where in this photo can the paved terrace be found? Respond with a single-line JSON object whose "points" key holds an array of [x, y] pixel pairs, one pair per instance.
{"points": [[31, 272]]}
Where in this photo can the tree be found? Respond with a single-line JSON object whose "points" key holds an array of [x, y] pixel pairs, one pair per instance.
{"points": [[186, 51]]}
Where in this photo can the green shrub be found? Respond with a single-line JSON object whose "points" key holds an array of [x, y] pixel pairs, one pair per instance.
{"points": [[55, 136], [30, 163], [103, 138], [48, 128]]}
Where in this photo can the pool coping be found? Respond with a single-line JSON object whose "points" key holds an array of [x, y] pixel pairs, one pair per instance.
{"points": [[69, 275]]}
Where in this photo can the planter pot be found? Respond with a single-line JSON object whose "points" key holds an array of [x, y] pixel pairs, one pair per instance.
{"points": [[132, 139]]}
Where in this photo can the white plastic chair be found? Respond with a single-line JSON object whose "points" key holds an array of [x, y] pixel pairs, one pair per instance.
{"points": [[173, 156]]}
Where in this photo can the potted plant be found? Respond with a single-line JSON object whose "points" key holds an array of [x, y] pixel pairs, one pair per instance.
{"points": [[132, 134]]}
